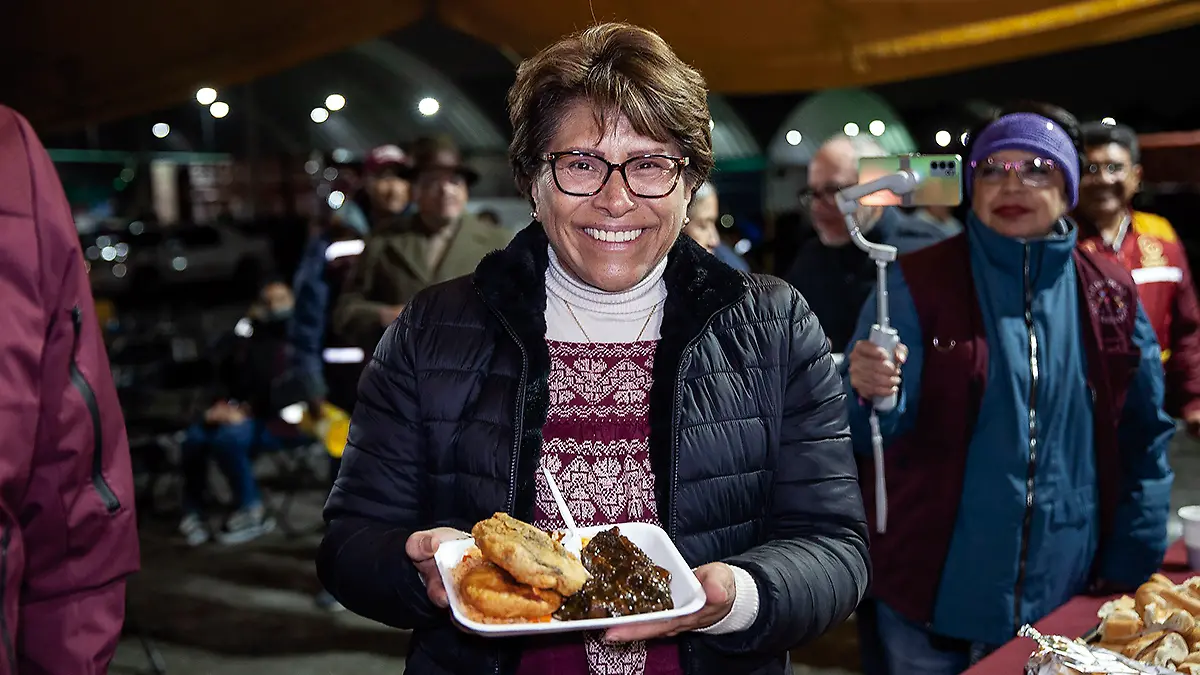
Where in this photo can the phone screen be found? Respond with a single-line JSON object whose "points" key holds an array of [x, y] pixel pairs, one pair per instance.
{"points": [[940, 175]]}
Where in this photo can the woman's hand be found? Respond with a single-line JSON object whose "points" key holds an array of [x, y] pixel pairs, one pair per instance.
{"points": [[717, 581], [872, 372], [420, 548], [224, 413]]}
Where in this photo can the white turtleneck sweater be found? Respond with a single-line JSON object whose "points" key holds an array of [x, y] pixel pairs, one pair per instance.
{"points": [[604, 316], [619, 317]]}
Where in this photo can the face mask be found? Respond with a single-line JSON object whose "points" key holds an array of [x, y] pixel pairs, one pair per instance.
{"points": [[279, 314]]}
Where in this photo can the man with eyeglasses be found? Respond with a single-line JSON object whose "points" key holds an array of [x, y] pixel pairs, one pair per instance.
{"points": [[1148, 247], [832, 274]]}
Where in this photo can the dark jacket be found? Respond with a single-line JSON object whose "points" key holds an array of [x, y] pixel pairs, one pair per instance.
{"points": [[836, 281], [393, 268], [68, 533], [251, 365], [988, 529], [749, 445]]}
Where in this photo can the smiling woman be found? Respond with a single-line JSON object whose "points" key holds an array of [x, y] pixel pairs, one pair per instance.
{"points": [[577, 122], [651, 381]]}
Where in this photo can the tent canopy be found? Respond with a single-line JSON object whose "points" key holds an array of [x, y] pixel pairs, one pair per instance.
{"points": [[68, 63]]}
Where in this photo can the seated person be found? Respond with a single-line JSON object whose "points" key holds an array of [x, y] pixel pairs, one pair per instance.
{"points": [[241, 421]]}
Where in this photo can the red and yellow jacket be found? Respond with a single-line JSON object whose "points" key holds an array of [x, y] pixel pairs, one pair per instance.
{"points": [[1153, 254]]}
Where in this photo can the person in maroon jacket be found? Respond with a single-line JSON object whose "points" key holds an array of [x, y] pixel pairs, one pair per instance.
{"points": [[68, 534], [1147, 245]]}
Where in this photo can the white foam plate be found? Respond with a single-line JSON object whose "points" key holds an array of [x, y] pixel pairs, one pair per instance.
{"points": [[686, 592]]}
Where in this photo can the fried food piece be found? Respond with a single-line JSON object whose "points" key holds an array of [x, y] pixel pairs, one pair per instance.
{"points": [[530, 555], [495, 594]]}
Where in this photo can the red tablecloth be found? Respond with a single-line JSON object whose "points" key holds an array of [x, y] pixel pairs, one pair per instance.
{"points": [[1073, 619]]}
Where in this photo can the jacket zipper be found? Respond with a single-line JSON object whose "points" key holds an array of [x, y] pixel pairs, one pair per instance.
{"points": [[111, 503], [686, 659], [677, 414], [517, 428], [5, 635], [1027, 523], [520, 421]]}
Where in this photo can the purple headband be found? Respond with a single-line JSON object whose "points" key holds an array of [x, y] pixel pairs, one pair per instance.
{"points": [[1031, 133]]}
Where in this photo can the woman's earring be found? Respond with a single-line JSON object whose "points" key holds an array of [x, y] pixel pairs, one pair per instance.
{"points": [[533, 214], [686, 220]]}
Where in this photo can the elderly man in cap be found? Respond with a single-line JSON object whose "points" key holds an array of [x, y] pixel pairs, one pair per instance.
{"points": [[435, 242]]}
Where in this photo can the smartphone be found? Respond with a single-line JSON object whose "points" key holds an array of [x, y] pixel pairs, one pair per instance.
{"points": [[941, 179]]}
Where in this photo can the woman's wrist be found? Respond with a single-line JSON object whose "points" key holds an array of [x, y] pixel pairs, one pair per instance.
{"points": [[744, 611]]}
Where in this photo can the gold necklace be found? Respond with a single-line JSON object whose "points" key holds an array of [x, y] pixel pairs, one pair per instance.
{"points": [[653, 311]]}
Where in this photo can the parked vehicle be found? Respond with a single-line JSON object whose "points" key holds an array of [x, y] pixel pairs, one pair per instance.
{"points": [[142, 258]]}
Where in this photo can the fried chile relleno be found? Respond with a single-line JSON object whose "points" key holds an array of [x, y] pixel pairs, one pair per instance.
{"points": [[516, 573], [530, 555], [624, 581]]}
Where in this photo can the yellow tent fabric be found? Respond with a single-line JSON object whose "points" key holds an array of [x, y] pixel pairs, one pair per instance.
{"points": [[68, 62], [801, 45]]}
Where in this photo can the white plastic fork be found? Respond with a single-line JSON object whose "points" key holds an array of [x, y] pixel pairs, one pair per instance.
{"points": [[573, 542]]}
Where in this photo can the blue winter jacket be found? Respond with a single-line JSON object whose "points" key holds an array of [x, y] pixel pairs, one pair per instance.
{"points": [[976, 598], [306, 332], [313, 298]]}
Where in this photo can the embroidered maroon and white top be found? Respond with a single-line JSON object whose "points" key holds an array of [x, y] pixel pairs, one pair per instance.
{"points": [[595, 444]]}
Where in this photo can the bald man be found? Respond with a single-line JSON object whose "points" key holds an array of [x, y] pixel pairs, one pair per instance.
{"points": [[832, 274]]}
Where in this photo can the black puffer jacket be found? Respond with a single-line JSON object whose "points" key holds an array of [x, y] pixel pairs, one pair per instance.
{"points": [[749, 445]]}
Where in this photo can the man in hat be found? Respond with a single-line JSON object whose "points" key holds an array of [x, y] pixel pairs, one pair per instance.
{"points": [[435, 242]]}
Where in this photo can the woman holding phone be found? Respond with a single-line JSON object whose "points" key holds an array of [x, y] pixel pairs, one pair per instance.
{"points": [[1026, 459]]}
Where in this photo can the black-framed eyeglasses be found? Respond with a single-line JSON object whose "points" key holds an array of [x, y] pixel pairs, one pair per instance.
{"points": [[583, 174], [1036, 172]]}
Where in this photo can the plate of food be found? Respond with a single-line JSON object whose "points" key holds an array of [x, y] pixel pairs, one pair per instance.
{"points": [[511, 578]]}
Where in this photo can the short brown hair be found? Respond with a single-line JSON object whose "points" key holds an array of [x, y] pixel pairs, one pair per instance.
{"points": [[618, 68]]}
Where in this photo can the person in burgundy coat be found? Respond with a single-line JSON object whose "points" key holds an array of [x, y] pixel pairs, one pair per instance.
{"points": [[1147, 245], [1026, 459], [68, 533]]}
